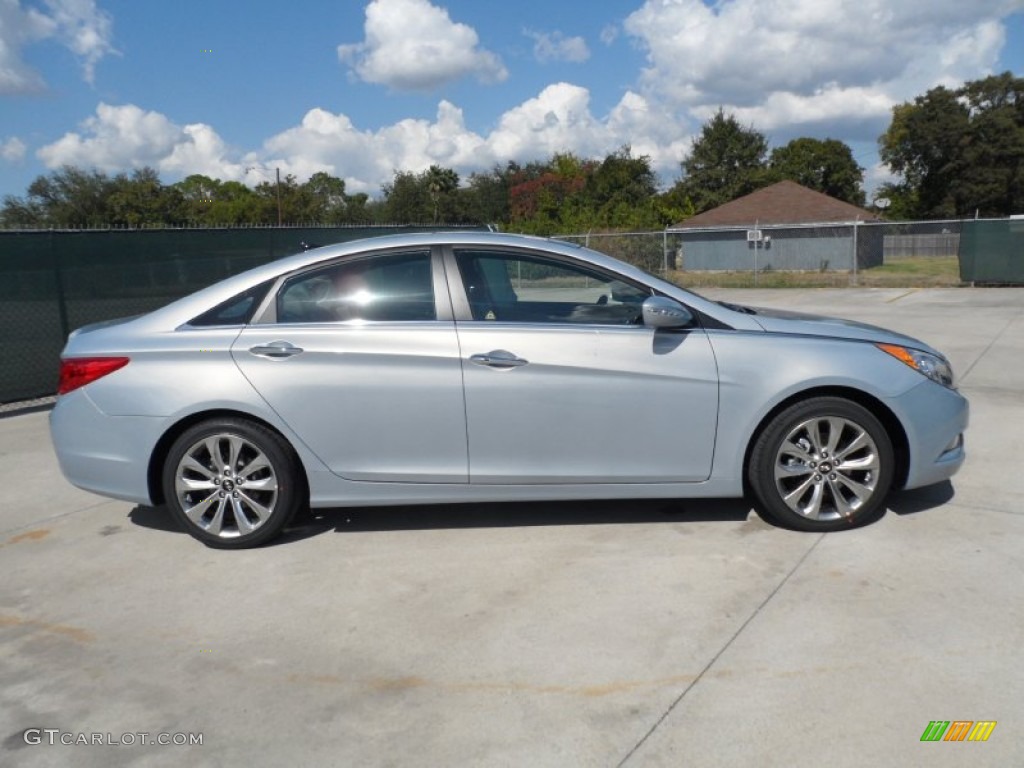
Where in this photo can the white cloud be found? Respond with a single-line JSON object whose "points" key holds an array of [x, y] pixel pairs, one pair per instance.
{"points": [[366, 159], [554, 46], [117, 138], [85, 30], [414, 45], [804, 62], [19, 28], [558, 119], [830, 103], [77, 24], [649, 129], [12, 150], [199, 149]]}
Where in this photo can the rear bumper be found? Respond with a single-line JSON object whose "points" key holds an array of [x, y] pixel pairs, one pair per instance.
{"points": [[935, 419], [107, 455]]}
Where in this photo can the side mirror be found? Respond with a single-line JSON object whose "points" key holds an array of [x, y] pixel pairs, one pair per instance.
{"points": [[661, 312]]}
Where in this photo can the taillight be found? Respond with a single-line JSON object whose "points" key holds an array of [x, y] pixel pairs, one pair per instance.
{"points": [[76, 372]]}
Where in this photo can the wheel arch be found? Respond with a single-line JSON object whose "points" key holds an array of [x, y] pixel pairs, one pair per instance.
{"points": [[889, 420], [157, 458]]}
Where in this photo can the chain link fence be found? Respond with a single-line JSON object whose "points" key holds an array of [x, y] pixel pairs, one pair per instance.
{"points": [[841, 251], [653, 252], [971, 251]]}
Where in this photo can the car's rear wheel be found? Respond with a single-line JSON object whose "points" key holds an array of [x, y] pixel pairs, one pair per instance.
{"points": [[232, 483], [822, 465]]}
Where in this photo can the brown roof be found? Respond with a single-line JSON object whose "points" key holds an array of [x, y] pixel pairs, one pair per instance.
{"points": [[783, 203]]}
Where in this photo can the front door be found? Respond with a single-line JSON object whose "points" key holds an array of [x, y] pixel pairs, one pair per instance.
{"points": [[565, 385]]}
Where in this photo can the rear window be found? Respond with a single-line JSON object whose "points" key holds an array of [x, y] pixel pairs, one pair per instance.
{"points": [[238, 310]]}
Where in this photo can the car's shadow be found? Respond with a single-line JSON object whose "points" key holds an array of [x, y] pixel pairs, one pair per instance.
{"points": [[921, 499], [415, 517]]}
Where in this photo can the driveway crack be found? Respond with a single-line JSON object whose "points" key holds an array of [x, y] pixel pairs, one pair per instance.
{"points": [[991, 344], [722, 650]]}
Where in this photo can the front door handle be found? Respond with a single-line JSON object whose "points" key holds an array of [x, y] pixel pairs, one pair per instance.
{"points": [[276, 350], [498, 358]]}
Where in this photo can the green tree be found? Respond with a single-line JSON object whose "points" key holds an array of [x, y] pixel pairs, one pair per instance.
{"points": [[547, 198], [620, 189], [405, 199], [233, 204], [903, 202], [139, 200], [68, 198], [442, 184], [824, 165], [961, 151], [196, 194], [921, 146], [211, 202], [726, 161], [429, 196], [327, 201], [485, 199], [22, 213], [992, 166], [280, 200], [359, 209], [569, 194]]}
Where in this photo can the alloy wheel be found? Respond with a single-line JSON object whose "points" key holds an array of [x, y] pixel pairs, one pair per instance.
{"points": [[226, 485], [827, 468]]}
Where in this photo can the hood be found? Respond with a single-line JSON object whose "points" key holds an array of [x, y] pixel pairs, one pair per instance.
{"points": [[801, 324]]}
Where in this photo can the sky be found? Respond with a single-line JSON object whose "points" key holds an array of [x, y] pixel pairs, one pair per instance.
{"points": [[237, 90]]}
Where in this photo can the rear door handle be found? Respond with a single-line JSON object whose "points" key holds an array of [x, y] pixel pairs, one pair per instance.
{"points": [[498, 358], [276, 350]]}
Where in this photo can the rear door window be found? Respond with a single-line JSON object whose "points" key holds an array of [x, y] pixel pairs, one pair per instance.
{"points": [[394, 287]]}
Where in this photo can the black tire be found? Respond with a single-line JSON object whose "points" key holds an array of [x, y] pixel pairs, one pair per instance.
{"points": [[794, 475], [243, 500]]}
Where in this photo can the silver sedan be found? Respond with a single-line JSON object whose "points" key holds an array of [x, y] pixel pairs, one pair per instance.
{"points": [[443, 368]]}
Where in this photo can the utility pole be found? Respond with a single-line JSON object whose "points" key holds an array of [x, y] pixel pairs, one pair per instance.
{"points": [[278, 170], [856, 223], [278, 177]]}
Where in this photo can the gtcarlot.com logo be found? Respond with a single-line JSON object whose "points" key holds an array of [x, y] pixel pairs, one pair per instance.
{"points": [[55, 736], [958, 730]]}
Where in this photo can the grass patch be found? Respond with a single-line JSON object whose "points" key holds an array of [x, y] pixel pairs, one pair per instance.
{"points": [[914, 272], [939, 267]]}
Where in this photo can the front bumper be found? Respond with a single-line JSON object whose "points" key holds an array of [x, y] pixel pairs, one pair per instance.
{"points": [[934, 418]]}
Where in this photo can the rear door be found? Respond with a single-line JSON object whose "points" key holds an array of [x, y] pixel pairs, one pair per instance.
{"points": [[362, 362]]}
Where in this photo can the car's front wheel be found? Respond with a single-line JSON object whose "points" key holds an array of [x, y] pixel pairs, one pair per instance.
{"points": [[232, 483], [822, 465]]}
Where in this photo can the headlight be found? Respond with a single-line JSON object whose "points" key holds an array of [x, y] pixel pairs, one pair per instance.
{"points": [[934, 367]]}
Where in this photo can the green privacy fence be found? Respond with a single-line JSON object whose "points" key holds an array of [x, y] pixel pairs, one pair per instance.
{"points": [[53, 282], [992, 251]]}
